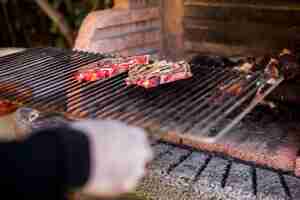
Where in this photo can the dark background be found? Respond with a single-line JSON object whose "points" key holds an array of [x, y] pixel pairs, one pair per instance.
{"points": [[24, 24]]}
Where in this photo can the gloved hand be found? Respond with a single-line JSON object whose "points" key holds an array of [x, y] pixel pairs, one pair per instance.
{"points": [[26, 120], [119, 154]]}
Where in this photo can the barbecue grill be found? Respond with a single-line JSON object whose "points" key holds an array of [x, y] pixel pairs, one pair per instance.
{"points": [[184, 106], [181, 112]]}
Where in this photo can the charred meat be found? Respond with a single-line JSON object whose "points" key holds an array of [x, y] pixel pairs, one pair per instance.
{"points": [[246, 66], [285, 64], [158, 73], [109, 67], [289, 66], [226, 91]]}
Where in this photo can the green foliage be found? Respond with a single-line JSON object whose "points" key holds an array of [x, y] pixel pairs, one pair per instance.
{"points": [[74, 12], [25, 24]]}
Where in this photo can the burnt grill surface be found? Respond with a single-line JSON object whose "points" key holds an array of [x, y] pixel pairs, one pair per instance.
{"points": [[184, 106]]}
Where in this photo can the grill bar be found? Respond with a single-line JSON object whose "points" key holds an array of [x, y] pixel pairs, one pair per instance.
{"points": [[111, 108], [10, 69], [136, 94], [96, 90], [53, 76], [20, 55], [204, 93], [247, 110], [211, 110], [178, 100], [185, 106]]}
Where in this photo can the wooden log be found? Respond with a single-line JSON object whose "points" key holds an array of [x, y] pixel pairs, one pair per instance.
{"points": [[279, 14]]}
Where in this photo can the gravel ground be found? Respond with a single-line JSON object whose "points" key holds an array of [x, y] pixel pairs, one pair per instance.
{"points": [[179, 173]]}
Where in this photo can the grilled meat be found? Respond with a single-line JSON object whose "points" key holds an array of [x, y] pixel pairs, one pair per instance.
{"points": [[225, 91], [289, 66], [162, 72], [246, 66], [109, 67], [285, 64]]}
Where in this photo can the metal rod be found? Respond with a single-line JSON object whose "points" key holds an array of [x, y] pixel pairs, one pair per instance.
{"points": [[18, 55], [94, 100], [97, 88], [213, 123], [36, 71], [213, 112], [53, 75], [186, 95], [132, 102], [25, 59], [135, 100], [23, 66], [38, 81], [196, 99], [189, 117], [51, 100], [237, 119]]}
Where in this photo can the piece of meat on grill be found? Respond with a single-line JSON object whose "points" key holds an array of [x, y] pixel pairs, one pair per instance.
{"points": [[158, 73], [246, 66], [226, 91], [289, 65], [286, 66], [109, 67]]}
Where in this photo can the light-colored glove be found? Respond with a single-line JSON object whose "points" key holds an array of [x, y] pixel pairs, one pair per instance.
{"points": [[119, 154]]}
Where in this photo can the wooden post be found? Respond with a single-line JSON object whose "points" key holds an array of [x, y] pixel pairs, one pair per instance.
{"points": [[172, 28], [130, 4]]}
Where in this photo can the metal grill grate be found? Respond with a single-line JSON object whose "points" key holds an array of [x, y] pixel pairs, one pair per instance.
{"points": [[184, 106]]}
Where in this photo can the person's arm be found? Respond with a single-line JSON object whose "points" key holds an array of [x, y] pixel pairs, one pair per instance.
{"points": [[49, 162], [101, 158]]}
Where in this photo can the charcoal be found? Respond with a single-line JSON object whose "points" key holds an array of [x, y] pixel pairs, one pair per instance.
{"points": [[212, 61], [287, 92]]}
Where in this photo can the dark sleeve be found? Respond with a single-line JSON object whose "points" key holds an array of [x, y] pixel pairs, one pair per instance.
{"points": [[49, 163]]}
